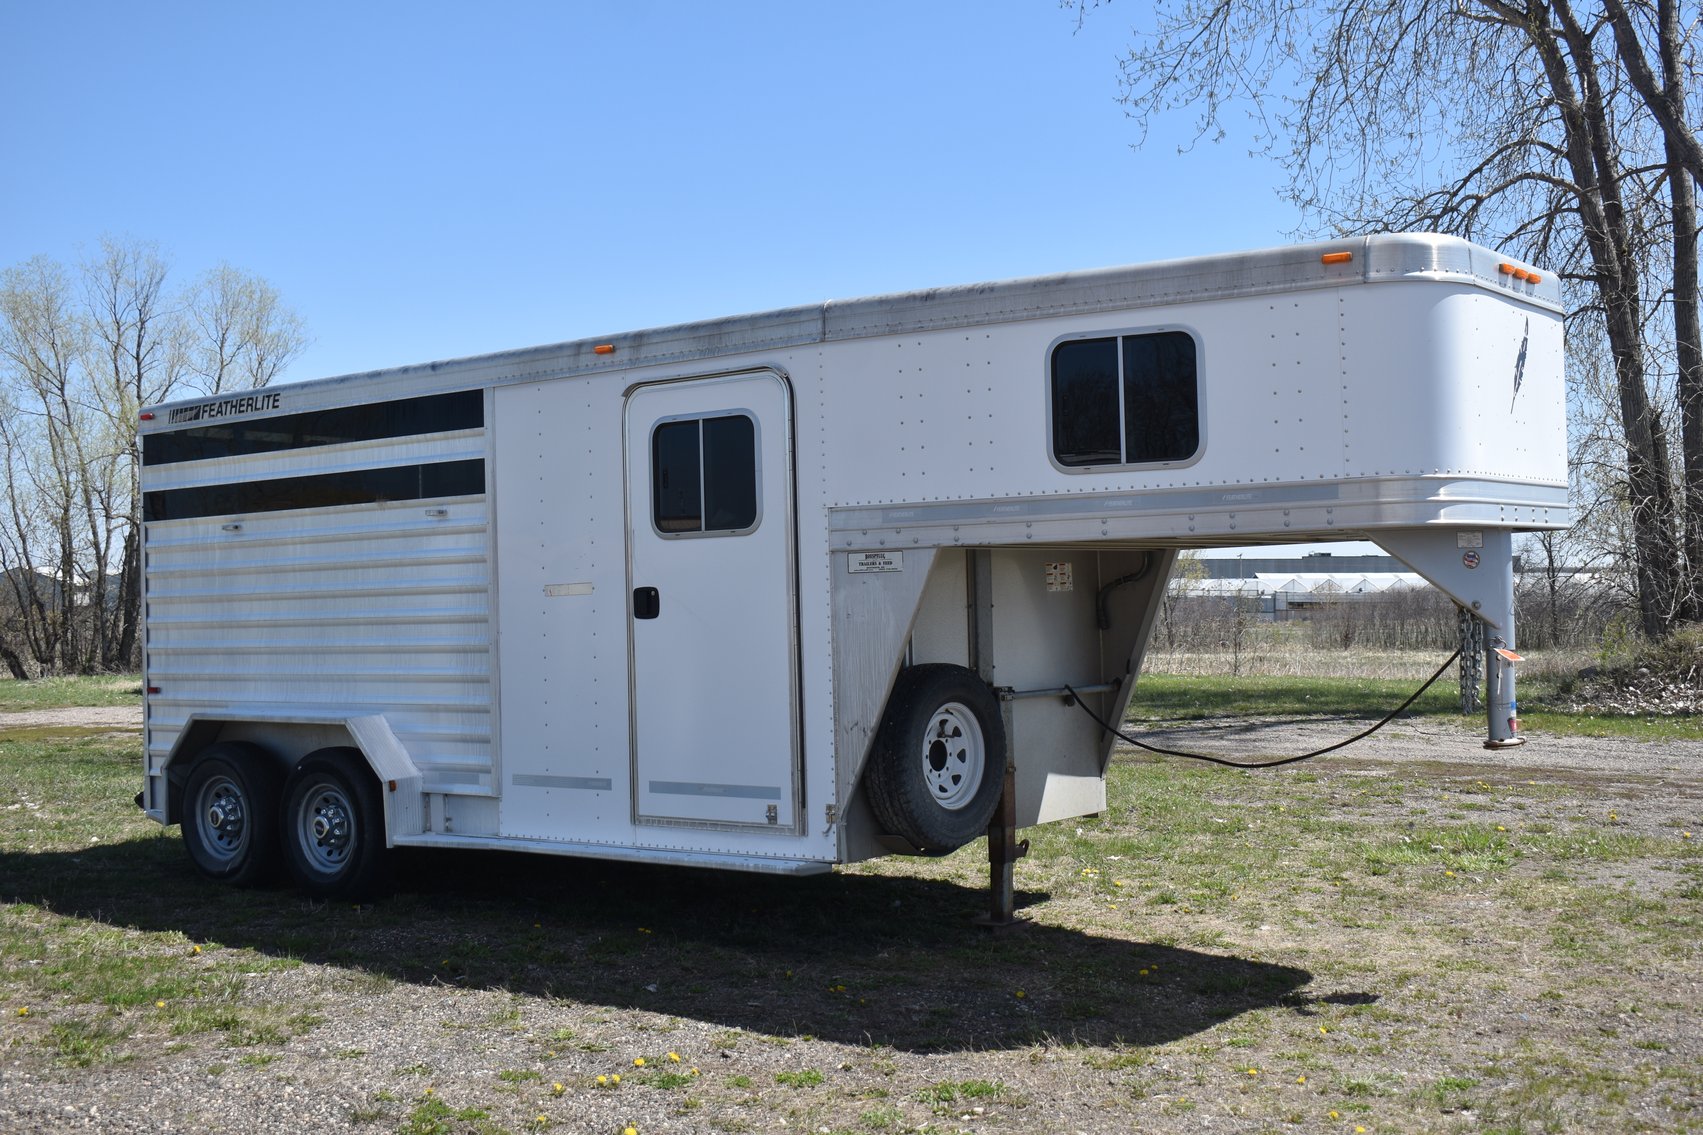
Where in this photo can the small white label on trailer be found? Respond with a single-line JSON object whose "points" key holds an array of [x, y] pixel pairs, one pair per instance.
{"points": [[557, 590], [859, 562], [1469, 539]]}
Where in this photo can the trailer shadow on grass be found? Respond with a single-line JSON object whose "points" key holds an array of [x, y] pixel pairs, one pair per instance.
{"points": [[861, 959]]}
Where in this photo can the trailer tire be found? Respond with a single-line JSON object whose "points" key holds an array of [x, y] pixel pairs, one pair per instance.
{"points": [[230, 813], [333, 826], [938, 764]]}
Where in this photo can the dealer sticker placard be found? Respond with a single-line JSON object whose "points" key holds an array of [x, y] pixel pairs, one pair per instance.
{"points": [[858, 563]]}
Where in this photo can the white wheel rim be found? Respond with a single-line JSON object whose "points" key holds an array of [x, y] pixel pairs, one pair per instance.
{"points": [[954, 756]]}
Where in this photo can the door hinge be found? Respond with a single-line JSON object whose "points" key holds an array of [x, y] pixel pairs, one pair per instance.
{"points": [[774, 813]]}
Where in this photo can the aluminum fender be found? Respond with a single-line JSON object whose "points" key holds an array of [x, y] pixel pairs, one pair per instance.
{"points": [[399, 779], [371, 735]]}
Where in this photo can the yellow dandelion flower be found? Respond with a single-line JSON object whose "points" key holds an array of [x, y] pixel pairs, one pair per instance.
{"points": [[629, 1130], [1021, 995], [1684, 835], [644, 930], [638, 1062], [557, 1089], [428, 1091], [23, 1010], [1324, 1031], [159, 1004], [695, 1072], [1300, 1079], [1335, 1115], [1450, 874], [1500, 828], [674, 1058], [195, 949], [615, 1079], [542, 1119], [602, 1080], [1143, 973], [1253, 1071], [1359, 1131]]}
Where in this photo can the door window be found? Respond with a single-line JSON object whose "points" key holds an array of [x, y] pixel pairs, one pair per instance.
{"points": [[704, 476]]}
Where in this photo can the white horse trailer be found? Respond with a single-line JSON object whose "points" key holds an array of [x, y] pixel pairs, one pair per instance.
{"points": [[795, 589]]}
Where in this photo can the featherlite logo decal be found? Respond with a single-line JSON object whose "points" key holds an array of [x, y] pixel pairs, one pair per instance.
{"points": [[226, 407]]}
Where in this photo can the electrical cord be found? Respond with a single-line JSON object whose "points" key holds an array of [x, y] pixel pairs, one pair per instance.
{"points": [[1389, 717]]}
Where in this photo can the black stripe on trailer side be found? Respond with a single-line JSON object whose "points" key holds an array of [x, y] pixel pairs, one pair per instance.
{"points": [[404, 417], [321, 490]]}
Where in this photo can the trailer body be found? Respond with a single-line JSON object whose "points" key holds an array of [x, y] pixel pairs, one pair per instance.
{"points": [[651, 596]]}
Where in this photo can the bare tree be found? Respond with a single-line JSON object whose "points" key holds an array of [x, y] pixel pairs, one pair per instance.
{"points": [[1530, 124], [243, 335], [76, 366]]}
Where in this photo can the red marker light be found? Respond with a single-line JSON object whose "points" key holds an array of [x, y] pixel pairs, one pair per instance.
{"points": [[147, 415]]}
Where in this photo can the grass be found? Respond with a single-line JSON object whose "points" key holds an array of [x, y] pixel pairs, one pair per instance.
{"points": [[57, 693], [1178, 697], [1351, 936]]}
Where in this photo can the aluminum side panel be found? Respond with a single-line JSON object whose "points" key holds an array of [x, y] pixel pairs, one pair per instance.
{"points": [[561, 571]]}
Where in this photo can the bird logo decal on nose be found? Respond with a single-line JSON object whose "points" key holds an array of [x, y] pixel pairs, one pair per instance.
{"points": [[1520, 363]]}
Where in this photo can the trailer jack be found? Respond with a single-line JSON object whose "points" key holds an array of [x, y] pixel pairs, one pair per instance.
{"points": [[1475, 568], [1004, 850]]}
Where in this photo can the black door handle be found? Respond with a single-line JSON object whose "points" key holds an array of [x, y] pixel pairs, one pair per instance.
{"points": [[647, 603]]}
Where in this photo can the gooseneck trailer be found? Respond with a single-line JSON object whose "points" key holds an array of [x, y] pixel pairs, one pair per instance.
{"points": [[787, 590]]}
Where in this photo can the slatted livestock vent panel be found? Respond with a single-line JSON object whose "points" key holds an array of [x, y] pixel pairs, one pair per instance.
{"points": [[356, 582]]}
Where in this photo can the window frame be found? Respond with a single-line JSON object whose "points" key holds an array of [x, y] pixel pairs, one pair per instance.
{"points": [[756, 472], [1118, 335]]}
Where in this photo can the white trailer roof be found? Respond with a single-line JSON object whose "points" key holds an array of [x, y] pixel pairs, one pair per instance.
{"points": [[1374, 259]]}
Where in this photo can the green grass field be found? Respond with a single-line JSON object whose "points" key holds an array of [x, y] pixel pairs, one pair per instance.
{"points": [[59, 693]]}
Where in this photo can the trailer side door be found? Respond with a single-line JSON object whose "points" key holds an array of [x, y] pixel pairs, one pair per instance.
{"points": [[711, 575]]}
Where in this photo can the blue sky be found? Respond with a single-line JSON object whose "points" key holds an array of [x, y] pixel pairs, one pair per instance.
{"points": [[430, 180]]}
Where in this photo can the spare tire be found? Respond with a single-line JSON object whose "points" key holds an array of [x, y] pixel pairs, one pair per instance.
{"points": [[938, 764]]}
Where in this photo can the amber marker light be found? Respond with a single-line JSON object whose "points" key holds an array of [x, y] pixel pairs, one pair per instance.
{"points": [[1505, 269], [1336, 258], [604, 348], [1534, 277]]}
